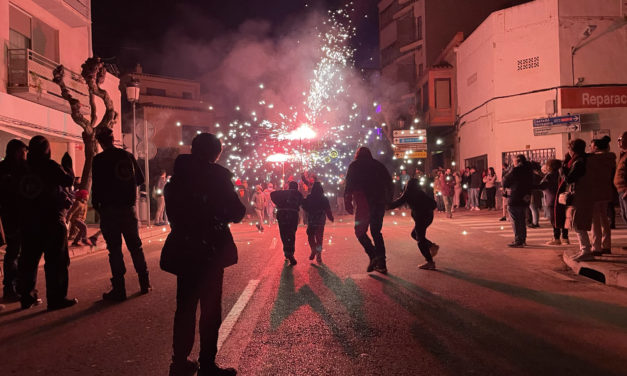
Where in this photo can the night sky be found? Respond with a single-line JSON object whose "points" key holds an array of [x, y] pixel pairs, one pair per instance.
{"points": [[134, 31]]}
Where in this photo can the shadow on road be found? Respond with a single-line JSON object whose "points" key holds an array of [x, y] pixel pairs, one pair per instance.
{"points": [[466, 341], [609, 313]]}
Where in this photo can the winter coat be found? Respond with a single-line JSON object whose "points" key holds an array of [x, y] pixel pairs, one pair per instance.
{"points": [[422, 206], [576, 176], [620, 178], [318, 209], [78, 211], [475, 180], [288, 202], [447, 185], [116, 176], [602, 167], [44, 193], [549, 186], [519, 181], [370, 177], [10, 172], [200, 201]]}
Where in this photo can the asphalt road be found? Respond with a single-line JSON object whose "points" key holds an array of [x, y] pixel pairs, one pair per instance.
{"points": [[487, 310]]}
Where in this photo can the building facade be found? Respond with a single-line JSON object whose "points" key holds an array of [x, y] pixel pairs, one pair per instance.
{"points": [[37, 36], [173, 113], [537, 61]]}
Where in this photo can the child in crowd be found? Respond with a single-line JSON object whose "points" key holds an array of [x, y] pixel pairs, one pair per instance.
{"points": [[422, 207], [76, 218], [318, 209]]}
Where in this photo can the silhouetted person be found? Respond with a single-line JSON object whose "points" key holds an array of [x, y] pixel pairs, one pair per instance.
{"points": [[369, 187], [116, 177], [44, 200], [288, 202], [422, 207], [200, 202], [13, 165], [519, 181], [317, 209]]}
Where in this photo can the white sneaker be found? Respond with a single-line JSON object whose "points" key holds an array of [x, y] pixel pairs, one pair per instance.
{"points": [[554, 242], [583, 256]]}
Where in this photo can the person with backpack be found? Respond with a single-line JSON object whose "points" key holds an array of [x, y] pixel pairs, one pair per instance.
{"points": [[288, 203], [318, 209], [422, 207]]}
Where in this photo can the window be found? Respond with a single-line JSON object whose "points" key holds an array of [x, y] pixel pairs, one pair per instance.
{"points": [[421, 70], [406, 27], [187, 95], [425, 97], [387, 16], [155, 92], [29, 32], [190, 131], [442, 93], [419, 28]]}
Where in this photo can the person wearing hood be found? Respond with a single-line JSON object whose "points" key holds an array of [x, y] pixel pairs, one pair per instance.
{"points": [[422, 207], [288, 203], [12, 166], [116, 176], [200, 202], [44, 200], [369, 188], [602, 167], [318, 209]]}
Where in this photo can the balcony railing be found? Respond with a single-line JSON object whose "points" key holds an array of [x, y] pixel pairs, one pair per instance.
{"points": [[75, 13], [30, 78]]}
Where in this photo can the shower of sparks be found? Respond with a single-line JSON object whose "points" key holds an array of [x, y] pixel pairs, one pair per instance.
{"points": [[318, 133]]}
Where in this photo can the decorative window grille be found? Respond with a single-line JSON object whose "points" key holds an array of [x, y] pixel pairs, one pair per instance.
{"points": [[529, 63]]}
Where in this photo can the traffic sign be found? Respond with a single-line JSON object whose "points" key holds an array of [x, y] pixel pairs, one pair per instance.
{"points": [[554, 125], [413, 147], [410, 154], [410, 140], [409, 133]]}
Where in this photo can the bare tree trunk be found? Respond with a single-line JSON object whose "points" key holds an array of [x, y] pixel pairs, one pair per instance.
{"points": [[94, 73]]}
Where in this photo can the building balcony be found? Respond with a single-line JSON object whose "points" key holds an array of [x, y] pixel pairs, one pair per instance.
{"points": [[30, 78], [74, 13]]}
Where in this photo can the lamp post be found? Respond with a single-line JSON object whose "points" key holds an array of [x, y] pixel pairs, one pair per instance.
{"points": [[132, 94]]}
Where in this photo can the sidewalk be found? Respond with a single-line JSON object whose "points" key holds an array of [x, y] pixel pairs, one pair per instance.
{"points": [[144, 233], [608, 269]]}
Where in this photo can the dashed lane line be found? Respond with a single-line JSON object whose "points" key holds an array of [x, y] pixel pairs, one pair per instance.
{"points": [[231, 319]]}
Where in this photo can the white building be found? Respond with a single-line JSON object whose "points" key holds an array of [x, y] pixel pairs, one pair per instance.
{"points": [[541, 59], [38, 35]]}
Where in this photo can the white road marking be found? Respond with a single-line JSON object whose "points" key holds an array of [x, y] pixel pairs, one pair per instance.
{"points": [[229, 322]]}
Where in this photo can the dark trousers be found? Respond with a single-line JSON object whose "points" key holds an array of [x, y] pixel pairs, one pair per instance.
{"points": [[81, 230], [420, 234], [12, 238], [315, 235], [368, 215], [491, 195], [206, 289], [287, 230], [557, 231], [517, 215], [49, 239], [116, 222]]}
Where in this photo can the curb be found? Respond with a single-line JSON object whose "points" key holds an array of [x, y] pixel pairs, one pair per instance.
{"points": [[144, 233], [611, 270]]}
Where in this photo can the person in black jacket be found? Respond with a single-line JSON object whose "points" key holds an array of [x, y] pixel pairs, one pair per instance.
{"points": [[44, 200], [116, 177], [318, 209], [288, 203], [557, 212], [422, 207], [370, 187], [200, 203], [520, 182], [13, 165]]}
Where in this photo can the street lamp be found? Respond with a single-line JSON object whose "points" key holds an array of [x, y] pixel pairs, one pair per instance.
{"points": [[132, 94]]}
